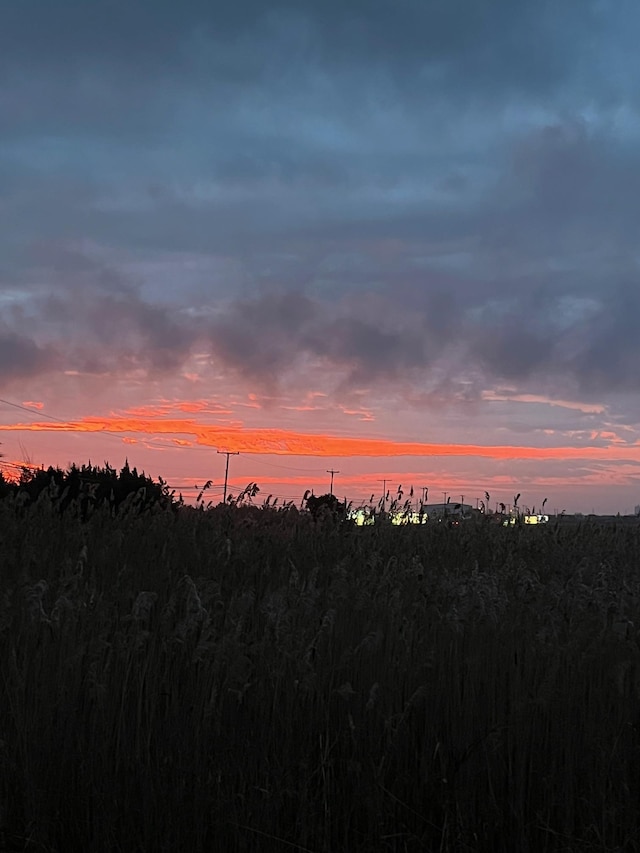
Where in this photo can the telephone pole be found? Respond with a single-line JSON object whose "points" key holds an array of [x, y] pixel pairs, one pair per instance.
{"points": [[227, 453], [332, 472], [384, 494]]}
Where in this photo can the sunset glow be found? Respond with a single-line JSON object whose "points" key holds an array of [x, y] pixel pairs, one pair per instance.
{"points": [[325, 237], [285, 443]]}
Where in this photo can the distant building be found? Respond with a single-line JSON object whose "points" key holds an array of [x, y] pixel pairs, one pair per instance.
{"points": [[449, 510], [424, 513]]}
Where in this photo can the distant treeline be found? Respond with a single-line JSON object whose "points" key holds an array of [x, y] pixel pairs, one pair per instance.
{"points": [[88, 486], [83, 488]]}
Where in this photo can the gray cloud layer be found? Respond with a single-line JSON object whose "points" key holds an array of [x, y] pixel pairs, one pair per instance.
{"points": [[402, 187], [21, 357], [552, 342]]}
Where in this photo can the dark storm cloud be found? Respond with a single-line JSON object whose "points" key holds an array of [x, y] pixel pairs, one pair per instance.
{"points": [[608, 353], [21, 357], [267, 338], [95, 320], [588, 344], [99, 322], [120, 330], [555, 341]]}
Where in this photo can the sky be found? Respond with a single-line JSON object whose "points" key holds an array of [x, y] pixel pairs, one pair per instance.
{"points": [[393, 238]]}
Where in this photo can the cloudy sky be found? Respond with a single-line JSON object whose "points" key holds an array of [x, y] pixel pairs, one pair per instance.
{"points": [[397, 238]]}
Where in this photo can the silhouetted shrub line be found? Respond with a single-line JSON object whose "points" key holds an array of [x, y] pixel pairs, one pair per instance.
{"points": [[83, 488]]}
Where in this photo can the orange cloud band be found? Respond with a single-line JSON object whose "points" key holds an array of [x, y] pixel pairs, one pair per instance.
{"points": [[288, 443]]}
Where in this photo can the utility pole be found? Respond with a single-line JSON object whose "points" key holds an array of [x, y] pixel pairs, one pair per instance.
{"points": [[384, 494], [332, 472], [227, 453]]}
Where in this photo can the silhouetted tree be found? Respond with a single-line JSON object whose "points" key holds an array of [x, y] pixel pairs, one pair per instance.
{"points": [[89, 486], [326, 506]]}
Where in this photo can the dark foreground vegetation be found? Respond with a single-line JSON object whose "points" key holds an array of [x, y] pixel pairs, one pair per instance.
{"points": [[246, 680]]}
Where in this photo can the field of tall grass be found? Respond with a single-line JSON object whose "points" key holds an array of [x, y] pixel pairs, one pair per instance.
{"points": [[244, 680]]}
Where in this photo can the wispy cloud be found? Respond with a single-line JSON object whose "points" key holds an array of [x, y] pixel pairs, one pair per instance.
{"points": [[283, 442], [514, 397]]}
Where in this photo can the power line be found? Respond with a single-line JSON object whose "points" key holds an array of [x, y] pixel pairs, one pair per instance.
{"points": [[118, 435], [41, 413], [284, 467], [30, 411]]}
